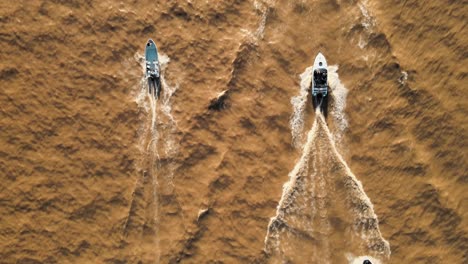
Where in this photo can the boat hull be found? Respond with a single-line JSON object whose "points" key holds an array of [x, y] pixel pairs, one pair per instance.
{"points": [[319, 84], [152, 69]]}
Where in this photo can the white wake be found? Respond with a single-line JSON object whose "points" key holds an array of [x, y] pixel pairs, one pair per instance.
{"points": [[156, 136], [310, 198], [299, 104], [337, 110]]}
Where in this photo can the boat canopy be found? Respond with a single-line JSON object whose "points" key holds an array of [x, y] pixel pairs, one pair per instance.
{"points": [[320, 78]]}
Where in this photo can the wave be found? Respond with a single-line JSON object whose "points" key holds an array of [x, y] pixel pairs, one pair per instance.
{"points": [[339, 93], [323, 208], [299, 104]]}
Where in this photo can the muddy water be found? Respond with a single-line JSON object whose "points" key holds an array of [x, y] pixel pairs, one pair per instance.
{"points": [[95, 171]]}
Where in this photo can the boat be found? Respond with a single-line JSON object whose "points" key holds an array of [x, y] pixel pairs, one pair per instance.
{"points": [[319, 84], [153, 70]]}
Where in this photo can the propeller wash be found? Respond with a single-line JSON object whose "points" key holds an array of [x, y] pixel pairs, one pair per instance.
{"points": [[324, 215], [157, 144]]}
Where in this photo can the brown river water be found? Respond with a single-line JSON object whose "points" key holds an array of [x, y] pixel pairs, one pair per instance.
{"points": [[232, 164]]}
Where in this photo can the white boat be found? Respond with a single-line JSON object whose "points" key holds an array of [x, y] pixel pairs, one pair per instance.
{"points": [[319, 83]]}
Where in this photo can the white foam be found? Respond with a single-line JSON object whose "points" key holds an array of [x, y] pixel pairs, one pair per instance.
{"points": [[167, 91], [339, 93], [170, 144], [299, 104], [363, 213], [361, 43], [321, 205], [153, 104], [264, 7], [141, 90], [359, 193], [260, 32], [403, 78], [288, 188], [159, 128], [368, 21], [150, 105]]}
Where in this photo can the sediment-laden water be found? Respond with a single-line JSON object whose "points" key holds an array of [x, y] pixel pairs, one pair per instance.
{"points": [[93, 170]]}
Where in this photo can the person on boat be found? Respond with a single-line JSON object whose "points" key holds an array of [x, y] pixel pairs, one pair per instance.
{"points": [[153, 72]]}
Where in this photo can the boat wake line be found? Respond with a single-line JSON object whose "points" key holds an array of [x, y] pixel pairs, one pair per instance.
{"points": [[324, 215], [157, 136], [158, 147], [324, 212], [299, 103]]}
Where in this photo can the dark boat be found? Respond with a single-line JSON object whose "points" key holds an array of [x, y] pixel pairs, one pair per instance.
{"points": [[153, 70]]}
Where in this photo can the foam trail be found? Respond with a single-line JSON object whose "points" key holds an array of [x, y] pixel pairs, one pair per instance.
{"points": [[339, 93], [369, 24], [153, 104], [335, 195], [140, 97], [368, 21], [321, 202], [290, 187], [159, 128], [143, 104], [148, 142], [264, 7], [166, 107], [299, 104], [259, 33], [170, 125], [365, 210]]}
